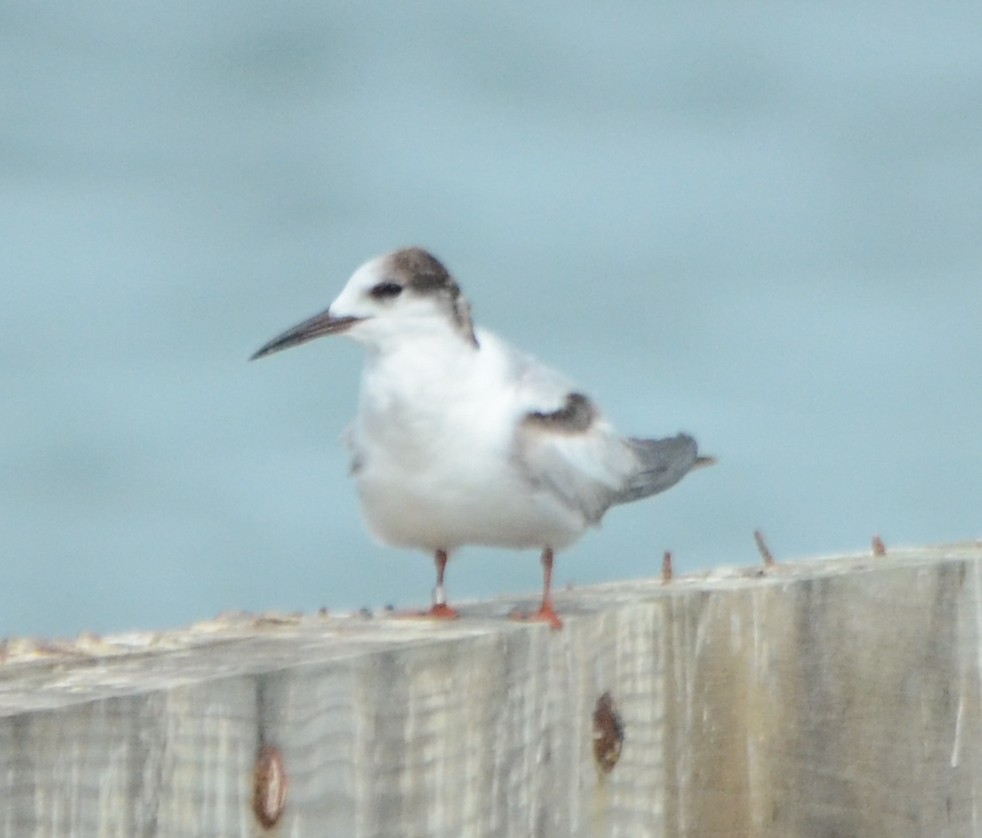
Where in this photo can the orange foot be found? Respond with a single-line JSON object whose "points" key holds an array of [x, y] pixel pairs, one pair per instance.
{"points": [[545, 614], [437, 612], [441, 611]]}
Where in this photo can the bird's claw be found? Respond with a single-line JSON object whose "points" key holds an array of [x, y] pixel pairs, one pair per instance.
{"points": [[545, 614]]}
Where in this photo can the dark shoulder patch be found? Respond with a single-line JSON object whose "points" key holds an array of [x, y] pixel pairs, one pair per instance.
{"points": [[576, 416]]}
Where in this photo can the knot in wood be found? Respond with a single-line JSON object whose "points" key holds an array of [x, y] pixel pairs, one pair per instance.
{"points": [[269, 791], [608, 734]]}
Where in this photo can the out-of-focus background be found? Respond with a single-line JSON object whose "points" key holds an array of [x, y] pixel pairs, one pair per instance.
{"points": [[759, 224]]}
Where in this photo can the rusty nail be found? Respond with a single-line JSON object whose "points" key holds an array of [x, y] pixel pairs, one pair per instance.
{"points": [[666, 567], [269, 792], [879, 549], [608, 734], [765, 553]]}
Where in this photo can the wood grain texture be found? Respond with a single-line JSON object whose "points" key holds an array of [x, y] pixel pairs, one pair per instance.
{"points": [[838, 697]]}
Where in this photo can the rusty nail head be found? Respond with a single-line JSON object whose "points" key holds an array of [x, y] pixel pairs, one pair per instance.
{"points": [[608, 734], [666, 567], [269, 791], [765, 552]]}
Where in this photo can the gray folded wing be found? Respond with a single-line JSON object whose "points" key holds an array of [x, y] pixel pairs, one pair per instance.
{"points": [[576, 455], [661, 464]]}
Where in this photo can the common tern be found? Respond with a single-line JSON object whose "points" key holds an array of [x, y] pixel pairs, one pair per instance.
{"points": [[461, 439]]}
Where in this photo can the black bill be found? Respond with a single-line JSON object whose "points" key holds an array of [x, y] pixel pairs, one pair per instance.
{"points": [[317, 326]]}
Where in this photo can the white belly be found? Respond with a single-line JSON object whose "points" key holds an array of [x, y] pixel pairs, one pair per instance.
{"points": [[435, 464], [443, 507]]}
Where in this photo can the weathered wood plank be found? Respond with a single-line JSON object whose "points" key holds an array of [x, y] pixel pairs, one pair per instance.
{"points": [[828, 698]]}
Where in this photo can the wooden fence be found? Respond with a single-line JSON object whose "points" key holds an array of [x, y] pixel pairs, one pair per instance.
{"points": [[836, 697]]}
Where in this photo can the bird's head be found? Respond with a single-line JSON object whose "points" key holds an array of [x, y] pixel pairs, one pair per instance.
{"points": [[400, 296]]}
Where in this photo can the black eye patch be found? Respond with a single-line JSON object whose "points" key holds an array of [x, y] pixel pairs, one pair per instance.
{"points": [[386, 289]]}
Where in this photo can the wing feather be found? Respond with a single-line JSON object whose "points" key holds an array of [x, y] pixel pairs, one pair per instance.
{"points": [[576, 455], [564, 445]]}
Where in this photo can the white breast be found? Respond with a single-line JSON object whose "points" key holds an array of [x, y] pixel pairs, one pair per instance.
{"points": [[434, 449]]}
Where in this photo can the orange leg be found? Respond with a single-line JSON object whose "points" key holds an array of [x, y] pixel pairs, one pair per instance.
{"points": [[546, 612], [440, 608]]}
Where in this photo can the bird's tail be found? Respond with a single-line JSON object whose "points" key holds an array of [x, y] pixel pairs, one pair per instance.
{"points": [[661, 464]]}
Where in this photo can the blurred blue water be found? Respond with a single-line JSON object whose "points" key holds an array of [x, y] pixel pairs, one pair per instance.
{"points": [[759, 225]]}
